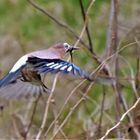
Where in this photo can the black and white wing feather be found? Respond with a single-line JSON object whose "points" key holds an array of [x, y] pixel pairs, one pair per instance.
{"points": [[56, 66], [21, 81], [14, 72]]}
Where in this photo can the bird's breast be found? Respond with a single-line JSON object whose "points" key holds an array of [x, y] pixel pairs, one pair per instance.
{"points": [[28, 75]]}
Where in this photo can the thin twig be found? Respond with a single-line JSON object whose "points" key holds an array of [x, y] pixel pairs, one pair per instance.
{"points": [[97, 106], [102, 110], [130, 119], [137, 76], [111, 47], [87, 29], [46, 109], [121, 119], [61, 24], [81, 34], [114, 42], [131, 77], [69, 114], [85, 22], [118, 96], [73, 91], [111, 40], [64, 105], [32, 116], [56, 123], [67, 28], [71, 111]]}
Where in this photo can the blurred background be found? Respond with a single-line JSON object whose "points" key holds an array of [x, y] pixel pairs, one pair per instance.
{"points": [[24, 28]]}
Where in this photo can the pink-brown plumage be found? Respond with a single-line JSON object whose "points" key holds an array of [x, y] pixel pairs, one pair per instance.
{"points": [[24, 78], [56, 51]]}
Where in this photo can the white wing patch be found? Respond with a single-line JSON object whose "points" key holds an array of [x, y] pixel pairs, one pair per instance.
{"points": [[57, 67], [53, 65], [64, 67], [19, 63], [49, 64], [69, 68]]}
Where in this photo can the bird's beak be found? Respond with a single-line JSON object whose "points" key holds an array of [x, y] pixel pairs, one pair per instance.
{"points": [[71, 49]]}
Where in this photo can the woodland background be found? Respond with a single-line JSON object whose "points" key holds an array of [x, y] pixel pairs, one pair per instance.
{"points": [[109, 32]]}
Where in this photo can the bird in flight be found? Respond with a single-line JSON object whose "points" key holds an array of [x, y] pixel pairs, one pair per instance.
{"points": [[24, 79]]}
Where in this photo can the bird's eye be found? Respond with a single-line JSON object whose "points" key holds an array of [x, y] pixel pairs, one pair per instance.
{"points": [[67, 46]]}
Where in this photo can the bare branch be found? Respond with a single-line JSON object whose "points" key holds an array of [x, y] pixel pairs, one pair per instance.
{"points": [[64, 105], [102, 110], [71, 111], [61, 24], [32, 116], [67, 28], [111, 41], [87, 29], [46, 109], [121, 119]]}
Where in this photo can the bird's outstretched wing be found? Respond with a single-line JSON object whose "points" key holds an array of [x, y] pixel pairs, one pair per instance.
{"points": [[60, 66], [17, 89], [56, 66], [21, 81], [11, 76], [14, 72]]}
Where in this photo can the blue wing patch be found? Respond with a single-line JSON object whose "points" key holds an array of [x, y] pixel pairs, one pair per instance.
{"points": [[10, 76], [56, 65]]}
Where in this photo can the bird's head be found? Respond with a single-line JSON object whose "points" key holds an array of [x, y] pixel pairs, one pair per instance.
{"points": [[62, 48], [69, 48], [65, 47]]}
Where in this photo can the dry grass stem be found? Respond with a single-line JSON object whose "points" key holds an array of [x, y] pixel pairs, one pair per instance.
{"points": [[46, 109], [121, 119]]}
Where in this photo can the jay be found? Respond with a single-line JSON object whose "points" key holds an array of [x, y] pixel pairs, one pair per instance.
{"points": [[24, 79]]}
